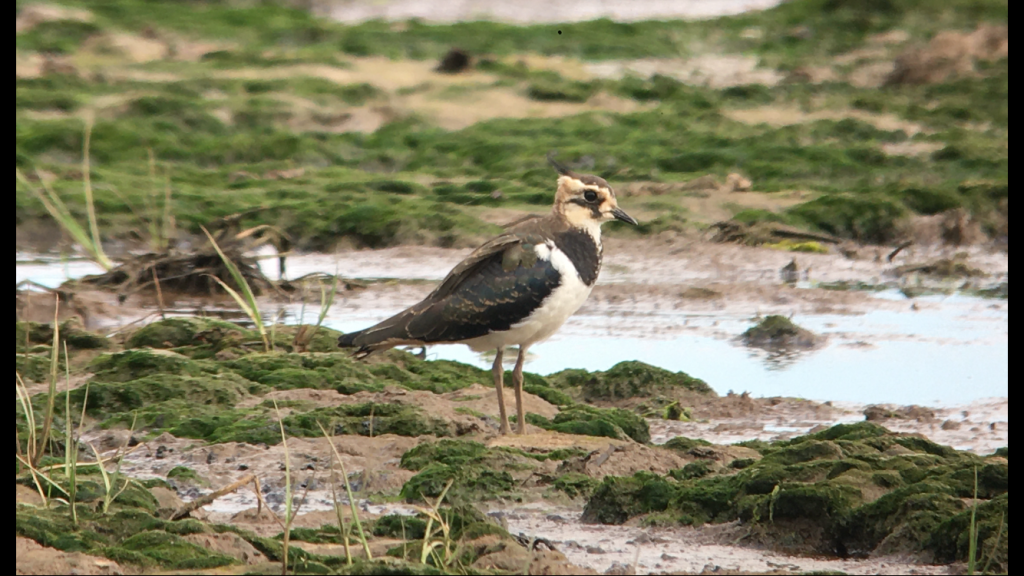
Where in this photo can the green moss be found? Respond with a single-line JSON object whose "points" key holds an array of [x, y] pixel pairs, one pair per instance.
{"points": [[776, 332], [399, 419], [71, 333], [575, 485], [859, 188], [151, 393], [560, 89], [804, 452], [468, 483], [454, 453], [676, 412], [400, 526], [56, 36], [135, 364], [169, 551], [591, 421], [616, 500], [441, 376], [794, 246], [387, 568], [697, 469], [478, 473], [684, 444], [550, 395], [177, 332], [867, 218], [830, 480], [326, 534], [951, 539], [36, 367], [182, 473], [632, 379]]}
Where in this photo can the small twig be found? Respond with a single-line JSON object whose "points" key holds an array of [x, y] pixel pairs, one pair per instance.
{"points": [[259, 501], [897, 250], [159, 293], [204, 500]]}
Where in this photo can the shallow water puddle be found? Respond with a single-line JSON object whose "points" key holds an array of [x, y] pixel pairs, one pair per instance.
{"points": [[943, 350], [51, 272], [952, 351]]}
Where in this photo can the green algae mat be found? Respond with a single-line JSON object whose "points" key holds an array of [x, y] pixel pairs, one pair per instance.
{"points": [[246, 107]]}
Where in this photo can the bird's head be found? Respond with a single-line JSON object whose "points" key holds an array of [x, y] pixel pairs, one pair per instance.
{"points": [[586, 201]]}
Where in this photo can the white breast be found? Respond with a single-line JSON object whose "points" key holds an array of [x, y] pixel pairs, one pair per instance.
{"points": [[563, 302]]}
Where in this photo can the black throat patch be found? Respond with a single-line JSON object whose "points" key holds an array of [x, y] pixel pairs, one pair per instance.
{"points": [[582, 251]]}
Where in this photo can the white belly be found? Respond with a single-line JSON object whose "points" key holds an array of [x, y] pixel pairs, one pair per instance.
{"points": [[554, 310]]}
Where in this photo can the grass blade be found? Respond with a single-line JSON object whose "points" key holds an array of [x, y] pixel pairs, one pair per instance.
{"points": [[90, 207], [341, 520], [59, 212], [30, 417], [248, 303], [52, 391], [70, 454], [972, 546], [348, 491]]}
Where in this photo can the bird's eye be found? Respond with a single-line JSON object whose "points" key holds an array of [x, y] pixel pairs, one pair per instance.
{"points": [[590, 196]]}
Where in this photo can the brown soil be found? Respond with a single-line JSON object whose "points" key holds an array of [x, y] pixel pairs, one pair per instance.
{"points": [[950, 53], [784, 116], [451, 101], [34, 558], [33, 15], [474, 399], [712, 70]]}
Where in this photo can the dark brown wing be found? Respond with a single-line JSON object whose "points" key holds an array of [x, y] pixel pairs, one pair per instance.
{"points": [[496, 286]]}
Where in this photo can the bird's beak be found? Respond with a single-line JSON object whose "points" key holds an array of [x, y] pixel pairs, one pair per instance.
{"points": [[620, 214]]}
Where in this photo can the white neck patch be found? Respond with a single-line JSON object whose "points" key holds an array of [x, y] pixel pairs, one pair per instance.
{"points": [[593, 228]]}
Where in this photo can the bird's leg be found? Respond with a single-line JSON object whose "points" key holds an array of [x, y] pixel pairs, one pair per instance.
{"points": [[517, 381], [499, 373]]}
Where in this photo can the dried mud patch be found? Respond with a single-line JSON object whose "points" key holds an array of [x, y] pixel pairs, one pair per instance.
{"points": [[34, 558], [785, 116], [449, 101], [712, 70]]}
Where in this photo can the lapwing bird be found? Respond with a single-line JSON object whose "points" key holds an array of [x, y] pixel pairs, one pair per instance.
{"points": [[516, 289]]}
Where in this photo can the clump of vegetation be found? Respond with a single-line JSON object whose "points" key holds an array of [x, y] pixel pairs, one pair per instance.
{"points": [[629, 379], [778, 332], [684, 444], [862, 488], [591, 421], [575, 485], [475, 472], [36, 334]]}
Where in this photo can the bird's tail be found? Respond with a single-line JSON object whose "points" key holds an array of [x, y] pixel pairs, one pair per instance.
{"points": [[383, 336]]}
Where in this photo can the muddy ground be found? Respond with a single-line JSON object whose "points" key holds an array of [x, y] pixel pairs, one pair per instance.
{"points": [[540, 501], [883, 125]]}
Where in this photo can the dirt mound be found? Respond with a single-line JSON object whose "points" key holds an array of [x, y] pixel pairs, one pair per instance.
{"points": [[624, 460], [950, 54], [228, 544], [779, 333], [34, 558], [35, 14], [853, 488], [880, 412]]}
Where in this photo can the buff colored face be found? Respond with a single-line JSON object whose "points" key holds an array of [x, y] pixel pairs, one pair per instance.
{"points": [[588, 200]]}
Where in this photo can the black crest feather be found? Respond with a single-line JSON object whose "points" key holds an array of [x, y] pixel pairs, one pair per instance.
{"points": [[560, 168]]}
